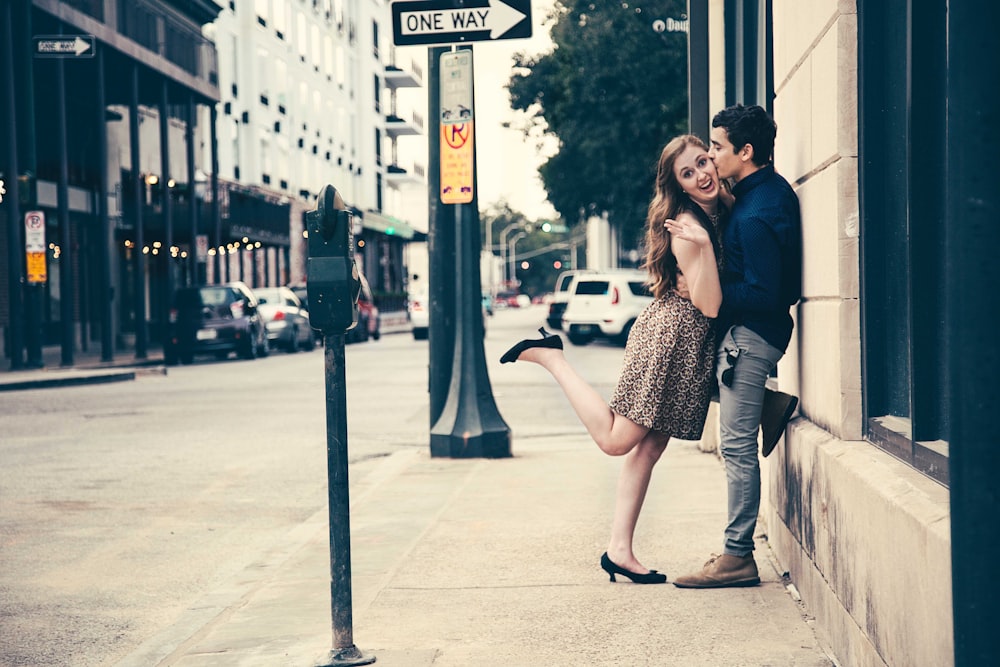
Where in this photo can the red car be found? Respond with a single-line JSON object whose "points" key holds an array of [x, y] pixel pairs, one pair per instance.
{"points": [[369, 321]]}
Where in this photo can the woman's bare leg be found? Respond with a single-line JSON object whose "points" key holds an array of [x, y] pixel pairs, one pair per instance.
{"points": [[632, 485], [613, 433]]}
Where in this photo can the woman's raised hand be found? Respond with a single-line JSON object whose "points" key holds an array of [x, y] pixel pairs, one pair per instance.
{"points": [[688, 229]]}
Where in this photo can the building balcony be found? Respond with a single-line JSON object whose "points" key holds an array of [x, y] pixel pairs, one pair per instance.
{"points": [[397, 176], [403, 75], [397, 126]]}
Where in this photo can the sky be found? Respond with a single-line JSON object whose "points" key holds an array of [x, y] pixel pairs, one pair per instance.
{"points": [[507, 161]]}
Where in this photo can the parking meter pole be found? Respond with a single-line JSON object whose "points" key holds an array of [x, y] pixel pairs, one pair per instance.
{"points": [[344, 651], [333, 288]]}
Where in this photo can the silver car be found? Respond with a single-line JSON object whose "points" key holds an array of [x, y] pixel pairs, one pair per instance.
{"points": [[285, 320]]}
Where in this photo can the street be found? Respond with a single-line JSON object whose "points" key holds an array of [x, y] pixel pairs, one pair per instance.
{"points": [[122, 504]]}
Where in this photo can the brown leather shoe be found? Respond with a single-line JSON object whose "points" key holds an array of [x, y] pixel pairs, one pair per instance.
{"points": [[722, 572], [777, 410]]}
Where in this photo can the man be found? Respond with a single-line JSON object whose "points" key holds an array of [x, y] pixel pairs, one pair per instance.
{"points": [[761, 279]]}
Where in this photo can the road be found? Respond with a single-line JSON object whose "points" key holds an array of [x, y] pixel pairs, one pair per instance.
{"points": [[121, 504]]}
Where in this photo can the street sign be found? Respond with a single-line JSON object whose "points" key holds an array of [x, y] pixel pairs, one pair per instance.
{"points": [[457, 135], [64, 46], [453, 22], [34, 246]]}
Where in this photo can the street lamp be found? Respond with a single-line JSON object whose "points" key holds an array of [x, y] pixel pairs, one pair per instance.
{"points": [[512, 253], [503, 244]]}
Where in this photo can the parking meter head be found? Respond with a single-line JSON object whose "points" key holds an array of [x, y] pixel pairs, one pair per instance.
{"points": [[333, 282]]}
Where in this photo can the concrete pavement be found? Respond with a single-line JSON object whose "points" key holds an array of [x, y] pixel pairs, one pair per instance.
{"points": [[460, 563]]}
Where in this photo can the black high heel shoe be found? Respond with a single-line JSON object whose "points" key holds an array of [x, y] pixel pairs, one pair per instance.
{"points": [[547, 340], [653, 577]]}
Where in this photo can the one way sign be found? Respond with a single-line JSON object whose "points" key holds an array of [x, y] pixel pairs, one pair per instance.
{"points": [[64, 46], [454, 21]]}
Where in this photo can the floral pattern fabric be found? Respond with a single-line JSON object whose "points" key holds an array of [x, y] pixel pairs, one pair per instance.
{"points": [[667, 376]]}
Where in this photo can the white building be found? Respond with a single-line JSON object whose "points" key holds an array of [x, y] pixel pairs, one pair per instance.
{"points": [[311, 96]]}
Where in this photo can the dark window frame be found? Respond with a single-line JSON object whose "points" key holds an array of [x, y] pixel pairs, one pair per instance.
{"points": [[901, 100]]}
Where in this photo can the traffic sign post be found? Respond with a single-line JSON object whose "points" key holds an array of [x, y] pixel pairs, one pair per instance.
{"points": [[64, 46], [453, 22], [457, 131]]}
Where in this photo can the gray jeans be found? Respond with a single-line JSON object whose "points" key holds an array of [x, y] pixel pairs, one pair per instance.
{"points": [[739, 420]]}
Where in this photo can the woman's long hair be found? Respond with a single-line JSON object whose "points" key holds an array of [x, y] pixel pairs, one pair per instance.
{"points": [[669, 201]]}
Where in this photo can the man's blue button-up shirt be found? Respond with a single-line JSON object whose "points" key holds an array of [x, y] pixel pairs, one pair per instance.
{"points": [[762, 258]]}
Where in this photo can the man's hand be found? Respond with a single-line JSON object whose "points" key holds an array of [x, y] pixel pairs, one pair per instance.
{"points": [[682, 287]]}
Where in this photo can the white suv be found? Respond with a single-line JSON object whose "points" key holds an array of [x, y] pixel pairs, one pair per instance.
{"points": [[605, 304], [560, 297]]}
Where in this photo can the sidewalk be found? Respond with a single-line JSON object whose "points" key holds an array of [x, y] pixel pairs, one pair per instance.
{"points": [[460, 563], [476, 563], [88, 368]]}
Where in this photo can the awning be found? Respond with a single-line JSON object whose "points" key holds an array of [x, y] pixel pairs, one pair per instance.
{"points": [[386, 224]]}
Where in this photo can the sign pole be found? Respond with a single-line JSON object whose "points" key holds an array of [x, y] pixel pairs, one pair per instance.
{"points": [[441, 253], [470, 424], [15, 270]]}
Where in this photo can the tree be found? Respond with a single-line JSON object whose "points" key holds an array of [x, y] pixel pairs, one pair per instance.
{"points": [[612, 91], [538, 247]]}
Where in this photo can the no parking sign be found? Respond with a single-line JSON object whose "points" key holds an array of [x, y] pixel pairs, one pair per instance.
{"points": [[34, 245]]}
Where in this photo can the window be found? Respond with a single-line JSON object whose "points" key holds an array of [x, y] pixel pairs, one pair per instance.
{"points": [[302, 36], [341, 67], [266, 165], [592, 287], [263, 68], [906, 401], [378, 94], [328, 56], [280, 16], [749, 60], [375, 39], [317, 48], [281, 83]]}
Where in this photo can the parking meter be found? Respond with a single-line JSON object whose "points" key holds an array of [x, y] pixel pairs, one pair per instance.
{"points": [[333, 288], [333, 282]]}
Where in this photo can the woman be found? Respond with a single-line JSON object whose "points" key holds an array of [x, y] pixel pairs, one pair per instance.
{"points": [[666, 379]]}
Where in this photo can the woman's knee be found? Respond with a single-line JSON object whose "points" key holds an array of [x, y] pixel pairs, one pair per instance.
{"points": [[652, 446]]}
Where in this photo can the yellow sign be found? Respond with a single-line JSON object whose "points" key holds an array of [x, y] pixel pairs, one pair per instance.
{"points": [[457, 163], [36, 267]]}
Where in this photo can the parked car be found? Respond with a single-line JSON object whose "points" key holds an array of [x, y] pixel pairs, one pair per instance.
{"points": [[604, 304], [560, 297], [506, 299], [300, 290], [369, 321], [214, 319], [418, 307], [285, 319]]}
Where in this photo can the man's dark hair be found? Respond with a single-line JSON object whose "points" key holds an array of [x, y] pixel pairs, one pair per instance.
{"points": [[749, 125]]}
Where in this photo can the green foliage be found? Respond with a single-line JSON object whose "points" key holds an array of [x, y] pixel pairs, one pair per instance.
{"points": [[538, 247], [613, 91]]}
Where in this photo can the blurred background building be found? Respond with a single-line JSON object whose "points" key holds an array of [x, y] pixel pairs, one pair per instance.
{"points": [[184, 145]]}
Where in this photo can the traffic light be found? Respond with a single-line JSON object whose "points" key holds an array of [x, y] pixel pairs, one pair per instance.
{"points": [[557, 264]]}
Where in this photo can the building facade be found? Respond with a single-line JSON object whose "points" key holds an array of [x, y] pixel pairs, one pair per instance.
{"points": [[213, 128], [872, 497]]}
